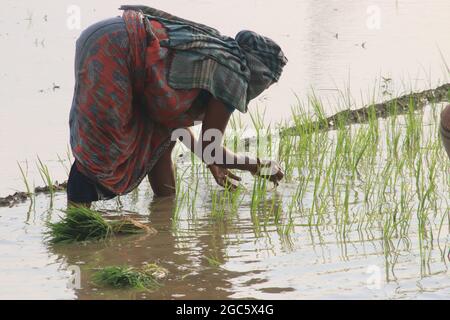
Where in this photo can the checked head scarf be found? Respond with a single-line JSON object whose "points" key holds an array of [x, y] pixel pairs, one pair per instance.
{"points": [[265, 59], [234, 70]]}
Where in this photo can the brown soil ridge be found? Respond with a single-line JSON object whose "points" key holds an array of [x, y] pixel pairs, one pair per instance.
{"points": [[399, 105], [19, 197]]}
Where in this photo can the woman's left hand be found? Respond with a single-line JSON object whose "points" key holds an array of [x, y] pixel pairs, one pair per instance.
{"points": [[224, 177], [269, 169]]}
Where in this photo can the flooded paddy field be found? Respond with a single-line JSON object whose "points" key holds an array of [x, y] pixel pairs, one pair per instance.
{"points": [[363, 211]]}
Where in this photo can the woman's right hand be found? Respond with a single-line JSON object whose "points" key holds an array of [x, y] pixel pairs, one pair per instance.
{"points": [[269, 169], [224, 177]]}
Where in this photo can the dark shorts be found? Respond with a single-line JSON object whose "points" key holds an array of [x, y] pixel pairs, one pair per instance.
{"points": [[81, 189]]}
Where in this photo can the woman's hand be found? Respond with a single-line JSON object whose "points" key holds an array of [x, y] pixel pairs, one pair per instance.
{"points": [[269, 169], [224, 177]]}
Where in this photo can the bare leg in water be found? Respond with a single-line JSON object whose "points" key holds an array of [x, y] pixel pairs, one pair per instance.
{"points": [[162, 178]]}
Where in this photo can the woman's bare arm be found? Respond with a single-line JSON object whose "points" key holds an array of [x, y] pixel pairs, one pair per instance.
{"points": [[239, 162], [211, 150], [219, 158]]}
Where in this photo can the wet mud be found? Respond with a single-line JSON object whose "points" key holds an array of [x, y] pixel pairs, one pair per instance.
{"points": [[396, 106]]}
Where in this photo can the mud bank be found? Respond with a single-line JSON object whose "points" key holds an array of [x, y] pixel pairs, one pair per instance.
{"points": [[398, 106], [19, 197]]}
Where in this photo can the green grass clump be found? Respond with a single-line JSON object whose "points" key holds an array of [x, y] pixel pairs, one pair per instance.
{"points": [[81, 224], [128, 277]]}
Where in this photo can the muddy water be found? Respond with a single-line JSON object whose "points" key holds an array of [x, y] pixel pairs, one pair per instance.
{"points": [[240, 253], [329, 47]]}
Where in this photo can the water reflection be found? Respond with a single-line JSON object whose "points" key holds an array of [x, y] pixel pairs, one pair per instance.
{"points": [[186, 254]]}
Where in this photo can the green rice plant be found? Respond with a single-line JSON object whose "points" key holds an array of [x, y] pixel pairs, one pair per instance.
{"points": [[236, 199], [318, 109], [256, 200], [180, 197], [237, 127], [25, 180], [79, 224], [225, 200], [257, 119], [192, 207], [345, 220], [214, 203], [213, 261], [359, 147], [303, 124], [392, 139], [413, 133], [127, 277], [45, 175], [285, 157], [259, 193], [373, 125], [82, 224]]}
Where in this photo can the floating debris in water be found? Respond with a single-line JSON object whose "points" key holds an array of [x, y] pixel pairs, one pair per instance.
{"points": [[81, 224], [155, 271], [146, 277]]}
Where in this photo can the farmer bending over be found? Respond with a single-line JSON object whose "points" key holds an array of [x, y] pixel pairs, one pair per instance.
{"points": [[141, 76]]}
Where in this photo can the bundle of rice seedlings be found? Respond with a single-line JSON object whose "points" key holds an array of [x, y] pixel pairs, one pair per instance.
{"points": [[81, 224], [126, 277]]}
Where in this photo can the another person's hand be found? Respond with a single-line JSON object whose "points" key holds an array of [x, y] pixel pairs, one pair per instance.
{"points": [[269, 169], [224, 177]]}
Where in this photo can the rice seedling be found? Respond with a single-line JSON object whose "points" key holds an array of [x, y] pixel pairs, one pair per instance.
{"points": [[25, 180], [257, 119], [180, 197], [318, 109], [79, 224], [82, 224], [45, 175], [145, 278], [213, 261]]}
